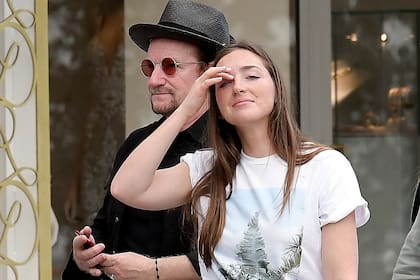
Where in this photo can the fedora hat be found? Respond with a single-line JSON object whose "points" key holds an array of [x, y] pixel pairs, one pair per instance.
{"points": [[186, 21]]}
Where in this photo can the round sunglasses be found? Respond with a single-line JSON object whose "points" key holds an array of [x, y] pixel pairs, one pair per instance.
{"points": [[168, 65]]}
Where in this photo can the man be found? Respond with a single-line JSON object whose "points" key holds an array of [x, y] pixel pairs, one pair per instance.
{"points": [[416, 202], [137, 244], [408, 263]]}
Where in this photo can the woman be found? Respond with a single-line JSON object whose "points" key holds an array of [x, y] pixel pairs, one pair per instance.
{"points": [[270, 204]]}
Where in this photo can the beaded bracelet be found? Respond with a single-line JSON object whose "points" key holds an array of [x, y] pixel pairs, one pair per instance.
{"points": [[157, 269]]}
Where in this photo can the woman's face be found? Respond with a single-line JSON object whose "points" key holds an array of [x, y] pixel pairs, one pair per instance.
{"points": [[248, 99]]}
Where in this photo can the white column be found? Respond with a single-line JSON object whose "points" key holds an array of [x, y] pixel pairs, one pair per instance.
{"points": [[315, 59]]}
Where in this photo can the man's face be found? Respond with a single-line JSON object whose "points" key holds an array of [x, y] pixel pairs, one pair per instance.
{"points": [[168, 91]]}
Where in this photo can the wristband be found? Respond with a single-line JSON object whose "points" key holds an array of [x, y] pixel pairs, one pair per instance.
{"points": [[157, 269]]}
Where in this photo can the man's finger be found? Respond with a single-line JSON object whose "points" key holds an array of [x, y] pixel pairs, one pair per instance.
{"points": [[95, 272]]}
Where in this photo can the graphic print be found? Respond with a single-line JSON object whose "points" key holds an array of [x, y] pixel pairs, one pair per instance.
{"points": [[254, 263]]}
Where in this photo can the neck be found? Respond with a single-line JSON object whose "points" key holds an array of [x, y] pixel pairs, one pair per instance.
{"points": [[256, 142]]}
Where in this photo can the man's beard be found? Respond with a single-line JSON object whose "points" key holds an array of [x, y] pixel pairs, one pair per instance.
{"points": [[166, 110]]}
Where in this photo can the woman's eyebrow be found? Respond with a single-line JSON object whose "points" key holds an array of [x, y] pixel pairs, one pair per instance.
{"points": [[248, 67]]}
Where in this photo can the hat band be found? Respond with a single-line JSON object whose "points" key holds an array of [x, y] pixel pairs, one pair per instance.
{"points": [[178, 26]]}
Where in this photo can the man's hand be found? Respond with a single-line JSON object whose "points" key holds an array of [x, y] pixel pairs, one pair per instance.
{"points": [[129, 266], [90, 259]]}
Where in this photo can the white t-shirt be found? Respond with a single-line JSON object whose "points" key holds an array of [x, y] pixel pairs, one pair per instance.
{"points": [[258, 243]]}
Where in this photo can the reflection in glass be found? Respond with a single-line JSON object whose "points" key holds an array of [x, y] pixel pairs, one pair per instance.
{"points": [[87, 96], [374, 66], [374, 78]]}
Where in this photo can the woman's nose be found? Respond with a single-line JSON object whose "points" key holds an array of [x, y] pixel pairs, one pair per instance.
{"points": [[237, 87]]}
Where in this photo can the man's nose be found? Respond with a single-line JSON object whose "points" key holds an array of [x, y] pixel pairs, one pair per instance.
{"points": [[157, 78]]}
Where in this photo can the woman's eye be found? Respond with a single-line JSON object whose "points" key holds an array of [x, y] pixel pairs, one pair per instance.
{"points": [[224, 83], [252, 77]]}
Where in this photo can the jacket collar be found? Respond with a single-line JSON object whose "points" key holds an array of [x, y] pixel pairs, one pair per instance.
{"points": [[198, 130]]}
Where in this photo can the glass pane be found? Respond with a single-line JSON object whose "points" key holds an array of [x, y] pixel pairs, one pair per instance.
{"points": [[86, 49], [375, 106]]}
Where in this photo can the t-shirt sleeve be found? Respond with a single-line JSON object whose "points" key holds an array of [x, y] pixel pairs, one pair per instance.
{"points": [[199, 163], [339, 190]]}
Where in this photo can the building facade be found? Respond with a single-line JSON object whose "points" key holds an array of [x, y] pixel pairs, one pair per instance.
{"points": [[71, 89]]}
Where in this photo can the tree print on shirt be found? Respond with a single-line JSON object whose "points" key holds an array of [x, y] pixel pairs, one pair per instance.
{"points": [[252, 254]]}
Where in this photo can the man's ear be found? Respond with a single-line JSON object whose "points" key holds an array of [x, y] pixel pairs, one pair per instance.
{"points": [[206, 66]]}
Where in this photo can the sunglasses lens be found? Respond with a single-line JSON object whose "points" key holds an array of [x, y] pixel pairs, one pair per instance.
{"points": [[147, 67], [168, 66]]}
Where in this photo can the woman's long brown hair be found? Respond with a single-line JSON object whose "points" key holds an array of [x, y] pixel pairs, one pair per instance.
{"points": [[288, 142]]}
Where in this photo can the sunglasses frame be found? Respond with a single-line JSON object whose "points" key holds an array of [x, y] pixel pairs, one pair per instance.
{"points": [[168, 65]]}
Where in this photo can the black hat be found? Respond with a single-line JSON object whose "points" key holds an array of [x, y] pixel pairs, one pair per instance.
{"points": [[186, 21]]}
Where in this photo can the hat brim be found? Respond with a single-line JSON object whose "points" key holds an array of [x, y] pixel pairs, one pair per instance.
{"points": [[142, 34]]}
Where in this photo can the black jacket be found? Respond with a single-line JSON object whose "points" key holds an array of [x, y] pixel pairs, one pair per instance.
{"points": [[416, 203], [152, 233]]}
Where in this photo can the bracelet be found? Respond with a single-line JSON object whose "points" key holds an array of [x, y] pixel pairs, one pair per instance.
{"points": [[157, 269]]}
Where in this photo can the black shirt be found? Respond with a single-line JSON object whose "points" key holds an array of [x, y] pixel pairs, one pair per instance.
{"points": [[153, 233], [416, 203], [160, 227]]}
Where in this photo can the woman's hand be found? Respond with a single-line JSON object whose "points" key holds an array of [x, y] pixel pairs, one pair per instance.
{"points": [[197, 97]]}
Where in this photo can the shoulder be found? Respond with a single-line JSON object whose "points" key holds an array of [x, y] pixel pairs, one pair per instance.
{"points": [[134, 139], [205, 155], [330, 158], [144, 132], [199, 163], [330, 167]]}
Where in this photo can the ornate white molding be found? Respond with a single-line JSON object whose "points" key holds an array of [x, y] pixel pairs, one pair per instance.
{"points": [[23, 102]]}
